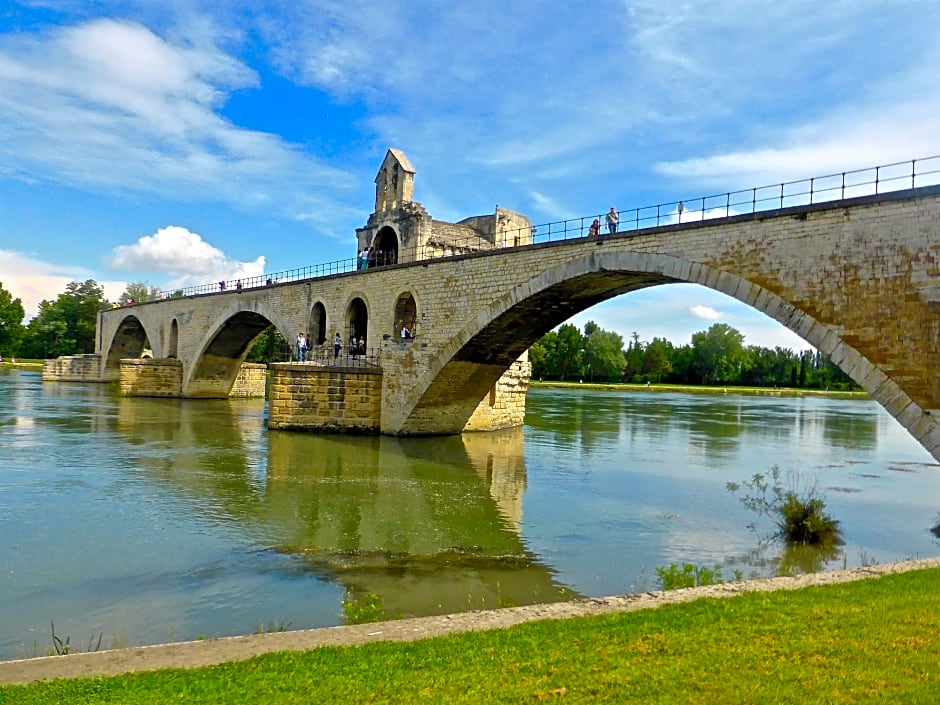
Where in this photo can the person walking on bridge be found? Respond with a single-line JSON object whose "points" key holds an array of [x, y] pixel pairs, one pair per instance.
{"points": [[337, 345], [613, 218]]}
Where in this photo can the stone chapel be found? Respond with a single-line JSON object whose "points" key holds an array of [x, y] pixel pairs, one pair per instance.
{"points": [[401, 230]]}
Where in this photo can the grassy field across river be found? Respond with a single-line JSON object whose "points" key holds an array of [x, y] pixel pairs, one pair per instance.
{"points": [[699, 389], [869, 641]]}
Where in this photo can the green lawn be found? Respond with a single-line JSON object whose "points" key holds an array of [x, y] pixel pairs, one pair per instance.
{"points": [[698, 389], [872, 641]]}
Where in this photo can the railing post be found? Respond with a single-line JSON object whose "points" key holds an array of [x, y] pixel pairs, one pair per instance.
{"points": [[754, 200], [877, 176], [913, 171]]}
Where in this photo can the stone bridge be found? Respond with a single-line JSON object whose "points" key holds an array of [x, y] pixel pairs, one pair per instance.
{"points": [[857, 278]]}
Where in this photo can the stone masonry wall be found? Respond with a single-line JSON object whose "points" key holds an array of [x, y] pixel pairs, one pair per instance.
{"points": [[72, 368], [151, 378], [251, 381], [306, 396], [504, 406]]}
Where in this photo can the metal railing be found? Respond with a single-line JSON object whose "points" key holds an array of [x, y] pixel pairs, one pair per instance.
{"points": [[818, 189], [324, 355]]}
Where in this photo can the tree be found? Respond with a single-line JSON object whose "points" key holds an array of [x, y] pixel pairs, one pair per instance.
{"points": [[538, 355], [767, 368], [11, 322], [603, 354], [633, 359], [656, 360], [138, 292], [267, 347], [718, 354], [566, 357], [66, 326]]}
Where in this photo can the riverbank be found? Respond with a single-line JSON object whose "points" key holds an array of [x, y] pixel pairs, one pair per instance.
{"points": [[21, 364], [821, 617], [701, 389]]}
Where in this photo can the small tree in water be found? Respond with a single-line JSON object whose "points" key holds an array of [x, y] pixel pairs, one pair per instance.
{"points": [[798, 509]]}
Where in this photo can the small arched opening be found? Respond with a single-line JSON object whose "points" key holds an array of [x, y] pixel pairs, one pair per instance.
{"points": [[406, 315], [316, 328], [357, 325], [385, 246], [173, 343]]}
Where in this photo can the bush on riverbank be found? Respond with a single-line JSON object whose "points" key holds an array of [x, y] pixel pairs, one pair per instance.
{"points": [[794, 506]]}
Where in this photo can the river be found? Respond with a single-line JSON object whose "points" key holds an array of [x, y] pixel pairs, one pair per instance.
{"points": [[140, 521]]}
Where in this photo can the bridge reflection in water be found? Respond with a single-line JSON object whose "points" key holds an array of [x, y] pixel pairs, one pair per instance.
{"points": [[430, 526]]}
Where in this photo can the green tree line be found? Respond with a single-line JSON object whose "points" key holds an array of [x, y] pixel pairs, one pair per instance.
{"points": [[714, 356], [63, 326]]}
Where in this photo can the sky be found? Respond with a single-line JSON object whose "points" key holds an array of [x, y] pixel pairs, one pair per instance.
{"points": [[177, 142]]}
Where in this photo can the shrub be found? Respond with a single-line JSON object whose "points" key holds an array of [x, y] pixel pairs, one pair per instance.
{"points": [[364, 610], [796, 508], [674, 577]]}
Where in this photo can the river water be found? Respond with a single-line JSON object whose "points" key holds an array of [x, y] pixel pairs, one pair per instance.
{"points": [[140, 521]]}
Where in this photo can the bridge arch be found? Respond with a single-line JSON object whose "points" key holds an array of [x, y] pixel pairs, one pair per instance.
{"points": [[130, 339], [224, 347], [466, 370]]}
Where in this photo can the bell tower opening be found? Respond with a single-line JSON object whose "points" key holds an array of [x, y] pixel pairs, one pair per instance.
{"points": [[386, 247]]}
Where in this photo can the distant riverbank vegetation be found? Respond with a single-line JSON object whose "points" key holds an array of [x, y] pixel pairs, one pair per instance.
{"points": [[715, 357]]}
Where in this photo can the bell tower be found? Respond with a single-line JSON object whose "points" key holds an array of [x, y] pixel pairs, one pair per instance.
{"points": [[395, 182]]}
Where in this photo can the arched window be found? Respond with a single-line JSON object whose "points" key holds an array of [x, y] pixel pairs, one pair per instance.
{"points": [[173, 343], [406, 314], [316, 328], [357, 321]]}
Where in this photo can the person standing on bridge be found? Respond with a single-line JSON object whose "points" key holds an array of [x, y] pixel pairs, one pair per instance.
{"points": [[337, 345], [301, 347], [613, 218], [595, 228]]}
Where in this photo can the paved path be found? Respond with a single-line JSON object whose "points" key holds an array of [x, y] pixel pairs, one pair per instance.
{"points": [[193, 654]]}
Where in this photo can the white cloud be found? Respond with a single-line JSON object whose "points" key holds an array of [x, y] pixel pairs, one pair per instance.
{"points": [[184, 257], [33, 281], [111, 106], [706, 313]]}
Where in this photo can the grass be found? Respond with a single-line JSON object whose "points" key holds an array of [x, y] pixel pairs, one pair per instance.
{"points": [[864, 642], [698, 389], [20, 362]]}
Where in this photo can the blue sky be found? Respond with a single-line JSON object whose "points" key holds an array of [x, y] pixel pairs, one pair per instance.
{"points": [[179, 142]]}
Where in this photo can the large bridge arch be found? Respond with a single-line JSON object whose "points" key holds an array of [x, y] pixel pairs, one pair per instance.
{"points": [[130, 339], [225, 346], [460, 375]]}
